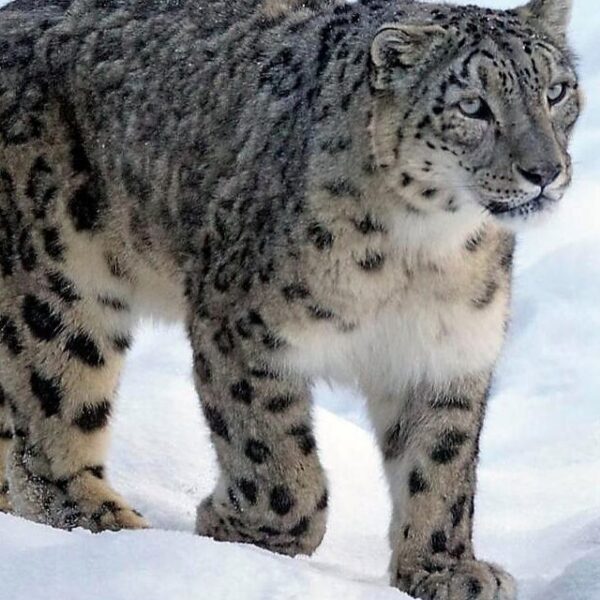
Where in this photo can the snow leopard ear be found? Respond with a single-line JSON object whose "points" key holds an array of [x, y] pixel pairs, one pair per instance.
{"points": [[398, 47], [552, 16]]}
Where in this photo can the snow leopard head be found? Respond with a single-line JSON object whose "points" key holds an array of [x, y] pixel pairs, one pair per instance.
{"points": [[474, 108]]}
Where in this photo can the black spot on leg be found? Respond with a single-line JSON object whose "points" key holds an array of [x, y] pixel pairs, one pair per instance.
{"points": [[82, 347], [249, 490], [439, 542], [203, 367], [457, 511], [43, 323], [93, 417], [474, 587], [417, 483], [429, 193], [281, 500], [301, 527], [323, 501], [242, 391], [458, 551], [304, 437], [47, 391], [9, 335], [223, 339], [244, 327], [256, 451], [433, 567], [216, 422], [233, 499], [280, 403], [448, 446]]}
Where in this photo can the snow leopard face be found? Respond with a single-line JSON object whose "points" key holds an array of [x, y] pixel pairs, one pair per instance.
{"points": [[494, 97]]}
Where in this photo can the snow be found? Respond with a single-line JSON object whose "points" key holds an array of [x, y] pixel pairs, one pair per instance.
{"points": [[539, 502]]}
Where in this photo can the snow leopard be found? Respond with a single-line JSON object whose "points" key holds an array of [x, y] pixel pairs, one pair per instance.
{"points": [[316, 190]]}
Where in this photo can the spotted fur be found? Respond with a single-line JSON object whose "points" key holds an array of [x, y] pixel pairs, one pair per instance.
{"points": [[316, 189]]}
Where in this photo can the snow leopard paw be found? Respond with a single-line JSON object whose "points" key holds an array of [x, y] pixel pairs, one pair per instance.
{"points": [[83, 500], [215, 520], [466, 580]]}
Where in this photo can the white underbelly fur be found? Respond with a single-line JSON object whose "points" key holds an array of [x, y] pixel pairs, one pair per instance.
{"points": [[418, 341]]}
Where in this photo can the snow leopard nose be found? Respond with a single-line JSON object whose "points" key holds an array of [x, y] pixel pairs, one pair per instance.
{"points": [[541, 176]]}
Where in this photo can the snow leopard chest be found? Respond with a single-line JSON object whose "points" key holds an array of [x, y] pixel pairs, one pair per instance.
{"points": [[413, 326]]}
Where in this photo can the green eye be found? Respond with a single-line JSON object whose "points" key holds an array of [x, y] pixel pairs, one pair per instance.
{"points": [[475, 108], [556, 93]]}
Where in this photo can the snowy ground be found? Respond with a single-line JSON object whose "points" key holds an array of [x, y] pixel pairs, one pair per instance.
{"points": [[539, 503]]}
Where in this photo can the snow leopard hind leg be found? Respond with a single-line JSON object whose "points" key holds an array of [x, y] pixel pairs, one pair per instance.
{"points": [[64, 326]]}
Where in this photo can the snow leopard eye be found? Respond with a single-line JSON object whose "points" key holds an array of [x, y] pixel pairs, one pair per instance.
{"points": [[475, 108], [556, 93]]}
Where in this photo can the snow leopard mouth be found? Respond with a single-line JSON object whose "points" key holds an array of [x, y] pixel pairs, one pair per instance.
{"points": [[507, 210]]}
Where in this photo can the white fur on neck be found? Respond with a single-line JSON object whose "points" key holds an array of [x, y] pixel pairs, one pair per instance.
{"points": [[436, 236]]}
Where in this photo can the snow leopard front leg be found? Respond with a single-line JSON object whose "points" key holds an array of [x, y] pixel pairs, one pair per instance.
{"points": [[271, 490], [429, 436]]}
